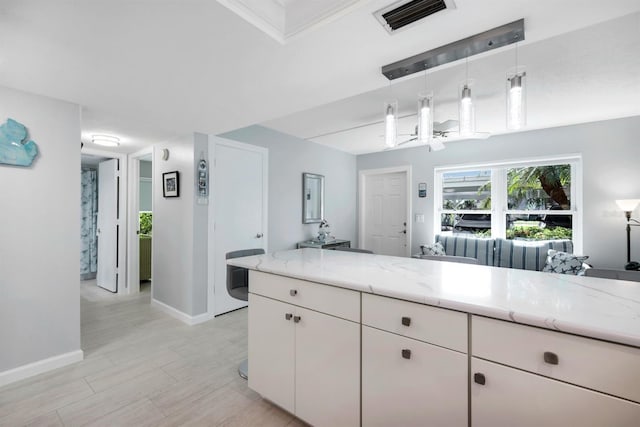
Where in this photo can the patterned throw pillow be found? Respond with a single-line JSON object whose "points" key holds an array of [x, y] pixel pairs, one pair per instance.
{"points": [[564, 263], [435, 249]]}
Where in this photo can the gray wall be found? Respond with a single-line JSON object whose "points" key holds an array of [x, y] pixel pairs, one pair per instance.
{"points": [[173, 229], [200, 230], [610, 153], [40, 234], [289, 157]]}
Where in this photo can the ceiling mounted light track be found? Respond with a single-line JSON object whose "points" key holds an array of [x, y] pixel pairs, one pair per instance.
{"points": [[479, 43]]}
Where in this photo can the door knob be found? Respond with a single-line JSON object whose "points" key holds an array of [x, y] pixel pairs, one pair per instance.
{"points": [[259, 235], [403, 232]]}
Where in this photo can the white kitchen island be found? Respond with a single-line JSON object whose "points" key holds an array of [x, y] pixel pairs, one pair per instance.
{"points": [[348, 339]]}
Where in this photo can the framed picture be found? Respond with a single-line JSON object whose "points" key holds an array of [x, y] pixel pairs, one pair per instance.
{"points": [[170, 184]]}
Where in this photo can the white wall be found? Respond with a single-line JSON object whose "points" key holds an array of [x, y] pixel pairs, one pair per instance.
{"points": [[289, 157], [40, 235], [610, 153]]}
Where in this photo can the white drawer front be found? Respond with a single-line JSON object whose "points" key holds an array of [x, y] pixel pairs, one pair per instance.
{"points": [[510, 397], [437, 326], [425, 387], [602, 366], [327, 299]]}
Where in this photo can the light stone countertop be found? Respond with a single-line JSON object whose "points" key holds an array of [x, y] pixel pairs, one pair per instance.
{"points": [[598, 308]]}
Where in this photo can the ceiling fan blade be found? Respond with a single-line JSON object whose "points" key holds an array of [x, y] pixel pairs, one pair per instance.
{"points": [[436, 145], [447, 125]]}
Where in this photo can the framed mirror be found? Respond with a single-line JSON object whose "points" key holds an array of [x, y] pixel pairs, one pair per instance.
{"points": [[312, 198]]}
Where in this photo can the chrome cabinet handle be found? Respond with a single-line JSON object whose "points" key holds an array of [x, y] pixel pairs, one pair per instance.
{"points": [[293, 292], [288, 316], [551, 358], [406, 353], [259, 235], [296, 319], [406, 321]]}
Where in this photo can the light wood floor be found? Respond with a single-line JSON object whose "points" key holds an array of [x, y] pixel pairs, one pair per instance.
{"points": [[144, 368]]}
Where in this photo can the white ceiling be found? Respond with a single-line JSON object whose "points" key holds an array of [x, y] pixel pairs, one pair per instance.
{"points": [[586, 75], [148, 71]]}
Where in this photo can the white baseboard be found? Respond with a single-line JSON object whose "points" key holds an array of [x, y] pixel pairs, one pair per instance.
{"points": [[39, 367], [189, 320]]}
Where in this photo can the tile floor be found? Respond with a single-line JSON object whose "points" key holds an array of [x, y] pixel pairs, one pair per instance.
{"points": [[144, 368]]}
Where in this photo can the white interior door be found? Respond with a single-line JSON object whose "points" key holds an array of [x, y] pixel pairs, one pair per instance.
{"points": [[108, 225], [239, 210], [385, 213]]}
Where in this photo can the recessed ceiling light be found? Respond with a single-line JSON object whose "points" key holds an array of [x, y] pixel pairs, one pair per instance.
{"points": [[106, 140]]}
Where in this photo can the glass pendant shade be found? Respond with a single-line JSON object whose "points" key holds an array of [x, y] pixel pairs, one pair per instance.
{"points": [[391, 124], [466, 110], [425, 118], [516, 98]]}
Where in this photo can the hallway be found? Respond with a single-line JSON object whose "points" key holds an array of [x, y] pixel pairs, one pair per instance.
{"points": [[144, 368]]}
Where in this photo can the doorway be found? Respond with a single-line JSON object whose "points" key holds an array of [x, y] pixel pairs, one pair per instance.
{"points": [[103, 248], [384, 211], [140, 220], [238, 217]]}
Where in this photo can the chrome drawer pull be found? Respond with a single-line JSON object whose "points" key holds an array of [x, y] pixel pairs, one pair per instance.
{"points": [[288, 316], [406, 321], [551, 358], [479, 378], [406, 353], [293, 292], [296, 319]]}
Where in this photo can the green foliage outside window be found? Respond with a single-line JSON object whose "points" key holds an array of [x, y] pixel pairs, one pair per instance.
{"points": [[146, 219], [538, 233]]}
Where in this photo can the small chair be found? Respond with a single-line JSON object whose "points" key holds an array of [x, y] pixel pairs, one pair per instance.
{"points": [[450, 258], [238, 287], [345, 249]]}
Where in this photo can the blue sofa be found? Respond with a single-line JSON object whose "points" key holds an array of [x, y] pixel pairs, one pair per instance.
{"points": [[521, 254]]}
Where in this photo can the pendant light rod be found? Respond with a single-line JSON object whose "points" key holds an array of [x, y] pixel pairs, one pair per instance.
{"points": [[479, 43]]}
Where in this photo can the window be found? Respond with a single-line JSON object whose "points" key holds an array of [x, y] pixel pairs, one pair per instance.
{"points": [[530, 199]]}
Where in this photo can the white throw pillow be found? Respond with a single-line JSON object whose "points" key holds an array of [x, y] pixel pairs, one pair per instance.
{"points": [[564, 263], [435, 249]]}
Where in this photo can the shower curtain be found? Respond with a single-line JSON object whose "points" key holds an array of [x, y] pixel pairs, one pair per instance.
{"points": [[89, 215]]}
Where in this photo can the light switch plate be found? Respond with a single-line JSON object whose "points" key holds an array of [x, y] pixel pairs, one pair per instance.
{"points": [[419, 217]]}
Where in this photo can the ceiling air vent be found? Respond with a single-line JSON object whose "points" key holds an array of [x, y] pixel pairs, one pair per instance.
{"points": [[403, 13]]}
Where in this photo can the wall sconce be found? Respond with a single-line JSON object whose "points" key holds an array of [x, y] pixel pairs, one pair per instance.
{"points": [[628, 205], [165, 154]]}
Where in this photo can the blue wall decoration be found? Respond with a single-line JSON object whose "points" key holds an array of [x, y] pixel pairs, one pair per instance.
{"points": [[13, 148]]}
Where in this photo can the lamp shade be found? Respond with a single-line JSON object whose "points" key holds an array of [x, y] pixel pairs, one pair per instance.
{"points": [[628, 205]]}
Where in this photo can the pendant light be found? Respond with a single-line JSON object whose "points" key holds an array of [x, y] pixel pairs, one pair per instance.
{"points": [[391, 124], [425, 114], [466, 109], [516, 105]]}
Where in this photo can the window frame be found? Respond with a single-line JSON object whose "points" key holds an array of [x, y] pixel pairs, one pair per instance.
{"points": [[499, 197]]}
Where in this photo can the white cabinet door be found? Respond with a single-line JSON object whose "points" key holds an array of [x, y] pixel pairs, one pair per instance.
{"points": [[510, 397], [427, 386], [327, 370], [271, 350]]}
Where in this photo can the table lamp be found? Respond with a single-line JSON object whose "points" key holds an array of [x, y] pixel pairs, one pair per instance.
{"points": [[628, 205]]}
